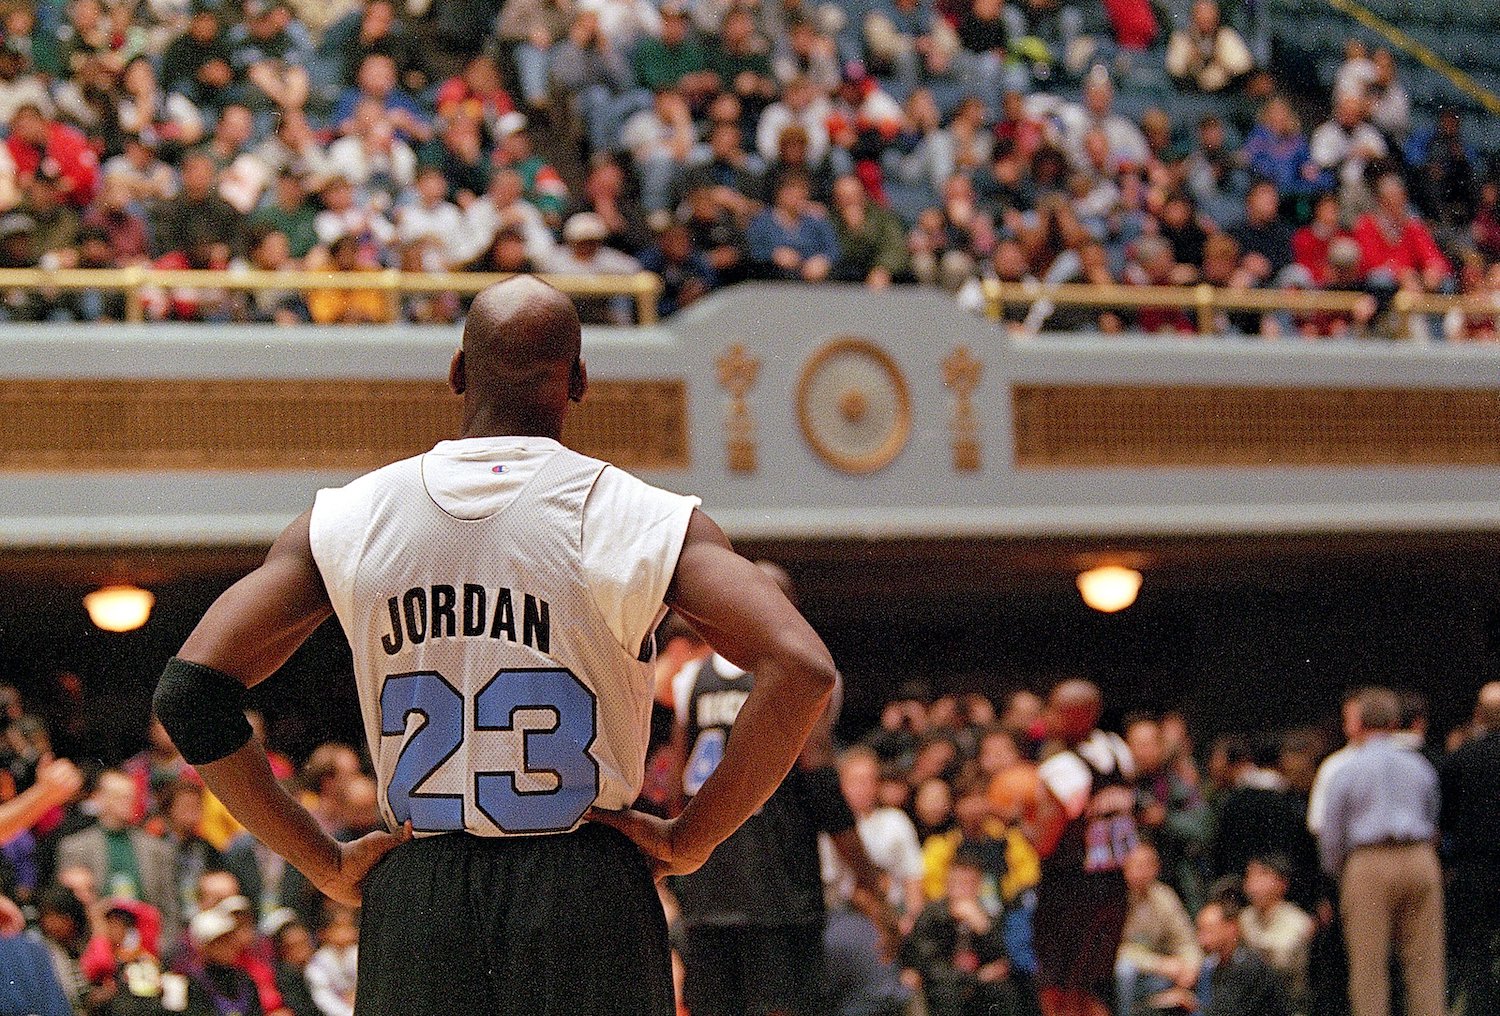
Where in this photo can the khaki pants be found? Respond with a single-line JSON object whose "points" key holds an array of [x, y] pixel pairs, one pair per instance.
{"points": [[1394, 894]]}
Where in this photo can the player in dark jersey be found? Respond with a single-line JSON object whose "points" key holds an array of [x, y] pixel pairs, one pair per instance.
{"points": [[753, 915], [1084, 827], [559, 923]]}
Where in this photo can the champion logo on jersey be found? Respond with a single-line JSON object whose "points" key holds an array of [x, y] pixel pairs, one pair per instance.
{"points": [[497, 469]]}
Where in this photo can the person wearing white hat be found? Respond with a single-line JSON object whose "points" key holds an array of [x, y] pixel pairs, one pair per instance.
{"points": [[221, 987], [583, 253]]}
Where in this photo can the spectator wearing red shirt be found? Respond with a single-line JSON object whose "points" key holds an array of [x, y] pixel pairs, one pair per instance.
{"points": [[34, 140], [1134, 23], [1396, 248], [1310, 244], [1017, 128], [476, 91]]}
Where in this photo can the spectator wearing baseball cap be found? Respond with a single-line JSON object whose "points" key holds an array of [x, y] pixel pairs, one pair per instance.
{"points": [[583, 253], [220, 986]]}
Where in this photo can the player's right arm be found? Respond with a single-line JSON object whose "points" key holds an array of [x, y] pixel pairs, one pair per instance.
{"points": [[747, 619], [248, 633]]}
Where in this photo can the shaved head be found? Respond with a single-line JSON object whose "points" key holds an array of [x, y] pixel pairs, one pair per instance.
{"points": [[520, 361], [1075, 706], [1487, 712]]}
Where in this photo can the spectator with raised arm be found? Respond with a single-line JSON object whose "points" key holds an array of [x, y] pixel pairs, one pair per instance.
{"points": [[957, 951]]}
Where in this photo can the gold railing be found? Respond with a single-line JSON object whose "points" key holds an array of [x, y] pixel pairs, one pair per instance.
{"points": [[643, 287], [1207, 301]]}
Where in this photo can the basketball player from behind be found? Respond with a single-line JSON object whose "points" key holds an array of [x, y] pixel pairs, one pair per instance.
{"points": [[500, 594]]}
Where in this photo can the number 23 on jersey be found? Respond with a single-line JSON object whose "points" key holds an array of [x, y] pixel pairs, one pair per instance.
{"points": [[561, 749]]}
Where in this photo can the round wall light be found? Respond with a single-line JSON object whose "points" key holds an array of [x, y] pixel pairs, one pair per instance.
{"points": [[119, 608], [1109, 587]]}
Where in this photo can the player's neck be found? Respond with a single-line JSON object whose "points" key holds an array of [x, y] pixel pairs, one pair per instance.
{"points": [[487, 422]]}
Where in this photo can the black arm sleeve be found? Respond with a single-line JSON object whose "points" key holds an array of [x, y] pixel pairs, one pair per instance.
{"points": [[203, 710]]}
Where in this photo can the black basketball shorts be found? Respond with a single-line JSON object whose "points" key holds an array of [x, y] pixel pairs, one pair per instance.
{"points": [[749, 970], [565, 925]]}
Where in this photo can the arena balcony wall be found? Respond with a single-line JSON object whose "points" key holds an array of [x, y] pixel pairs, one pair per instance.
{"points": [[797, 413]]}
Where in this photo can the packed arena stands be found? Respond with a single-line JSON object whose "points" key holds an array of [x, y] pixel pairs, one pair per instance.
{"points": [[1331, 166], [139, 880], [1283, 149]]}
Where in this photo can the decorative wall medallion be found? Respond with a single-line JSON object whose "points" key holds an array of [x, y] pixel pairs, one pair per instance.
{"points": [[738, 372], [853, 405], [961, 373]]}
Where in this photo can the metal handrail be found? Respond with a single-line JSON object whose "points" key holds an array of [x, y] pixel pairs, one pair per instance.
{"points": [[646, 287], [1208, 300], [643, 287]]}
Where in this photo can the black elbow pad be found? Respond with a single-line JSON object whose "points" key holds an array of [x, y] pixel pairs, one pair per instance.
{"points": [[203, 711]]}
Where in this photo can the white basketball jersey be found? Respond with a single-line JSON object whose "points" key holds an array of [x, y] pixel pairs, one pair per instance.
{"points": [[499, 596]]}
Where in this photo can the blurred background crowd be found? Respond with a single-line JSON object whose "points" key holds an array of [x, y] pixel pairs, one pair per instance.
{"points": [[1236, 865], [930, 142]]}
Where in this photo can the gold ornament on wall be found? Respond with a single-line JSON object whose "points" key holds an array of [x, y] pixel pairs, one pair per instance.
{"points": [[738, 372], [961, 373], [853, 406]]}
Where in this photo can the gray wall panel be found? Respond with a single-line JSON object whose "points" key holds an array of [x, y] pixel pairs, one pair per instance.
{"points": [[794, 493]]}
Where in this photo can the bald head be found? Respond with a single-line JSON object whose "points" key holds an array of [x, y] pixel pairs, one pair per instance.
{"points": [[1487, 712], [520, 363], [1075, 706]]}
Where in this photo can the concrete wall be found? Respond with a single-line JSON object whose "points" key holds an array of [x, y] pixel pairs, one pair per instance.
{"points": [[794, 494]]}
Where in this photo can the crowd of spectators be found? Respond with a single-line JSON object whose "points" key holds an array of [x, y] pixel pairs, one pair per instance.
{"points": [[1254, 862], [1246, 866], [929, 142], [140, 895]]}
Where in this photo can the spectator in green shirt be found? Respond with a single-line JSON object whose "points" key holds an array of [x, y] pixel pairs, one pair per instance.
{"points": [[542, 184], [675, 60], [290, 213], [872, 242], [741, 60]]}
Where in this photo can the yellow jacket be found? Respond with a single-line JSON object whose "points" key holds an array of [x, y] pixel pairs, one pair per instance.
{"points": [[1023, 866]]}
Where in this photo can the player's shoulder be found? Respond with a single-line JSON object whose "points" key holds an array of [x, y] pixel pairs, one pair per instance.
{"points": [[341, 506], [1106, 752], [620, 481], [378, 478], [619, 494]]}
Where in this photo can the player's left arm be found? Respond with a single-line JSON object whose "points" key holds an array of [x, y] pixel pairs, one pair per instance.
{"points": [[869, 896], [244, 638], [1045, 827]]}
